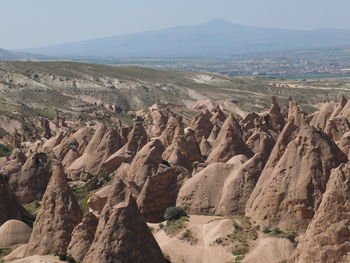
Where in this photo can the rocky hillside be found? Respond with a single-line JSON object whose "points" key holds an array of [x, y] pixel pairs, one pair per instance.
{"points": [[207, 181]]}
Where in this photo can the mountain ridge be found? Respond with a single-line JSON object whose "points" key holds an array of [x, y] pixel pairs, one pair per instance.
{"points": [[217, 38]]}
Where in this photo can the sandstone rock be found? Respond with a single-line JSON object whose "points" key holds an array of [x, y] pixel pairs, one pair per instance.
{"points": [[321, 117], [122, 235], [98, 200], [146, 162], [104, 143], [58, 215], [202, 125], [82, 237], [9, 206], [291, 185], [31, 181], [173, 130], [229, 142], [183, 151], [14, 232], [276, 115], [222, 188], [137, 139], [327, 238], [160, 192]]}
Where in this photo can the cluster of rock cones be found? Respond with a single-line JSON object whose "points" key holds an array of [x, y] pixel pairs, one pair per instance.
{"points": [[281, 168]]}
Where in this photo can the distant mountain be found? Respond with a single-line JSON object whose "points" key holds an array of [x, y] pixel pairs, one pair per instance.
{"points": [[6, 55], [217, 38]]}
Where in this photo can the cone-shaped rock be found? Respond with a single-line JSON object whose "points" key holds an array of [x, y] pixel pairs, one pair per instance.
{"points": [[122, 235], [321, 117], [184, 151], [32, 180], [173, 130], [229, 143], [290, 188], [82, 237], [58, 215], [146, 162], [159, 119], [10, 208], [327, 239], [276, 115], [103, 144], [202, 193], [202, 125], [160, 192], [136, 140]]}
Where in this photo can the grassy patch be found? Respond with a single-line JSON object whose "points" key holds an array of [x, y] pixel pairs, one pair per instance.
{"points": [[2, 132], [82, 194], [4, 252], [174, 227], [33, 207], [276, 232], [240, 250], [187, 236], [5, 150]]}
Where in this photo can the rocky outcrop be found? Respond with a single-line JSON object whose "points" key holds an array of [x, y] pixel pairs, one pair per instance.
{"points": [[104, 143], [320, 118], [58, 216], [229, 142], [13, 233], [221, 187], [159, 120], [160, 192], [183, 151], [202, 125], [146, 162], [173, 130], [136, 140], [31, 181], [327, 238], [291, 186], [9, 206], [122, 235], [276, 115], [82, 237]]}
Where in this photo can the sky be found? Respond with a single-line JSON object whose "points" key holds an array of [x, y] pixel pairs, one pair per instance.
{"points": [[37, 23]]}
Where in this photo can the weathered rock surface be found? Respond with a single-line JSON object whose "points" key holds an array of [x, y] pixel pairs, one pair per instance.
{"points": [[14, 232], [327, 238], [9, 206], [122, 235], [82, 237], [58, 215], [290, 188], [160, 192]]}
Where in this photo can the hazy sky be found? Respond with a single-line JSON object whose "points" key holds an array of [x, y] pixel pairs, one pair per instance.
{"points": [[34, 23]]}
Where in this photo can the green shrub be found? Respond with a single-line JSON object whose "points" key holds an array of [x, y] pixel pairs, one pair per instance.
{"points": [[240, 250], [67, 258], [174, 213]]}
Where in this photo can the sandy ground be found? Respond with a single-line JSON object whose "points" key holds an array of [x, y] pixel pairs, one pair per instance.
{"points": [[204, 228]]}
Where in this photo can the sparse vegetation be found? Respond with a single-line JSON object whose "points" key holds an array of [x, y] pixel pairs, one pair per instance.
{"points": [[5, 150], [66, 257], [240, 250], [173, 227], [276, 232], [33, 207], [82, 194], [188, 236], [4, 252]]}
